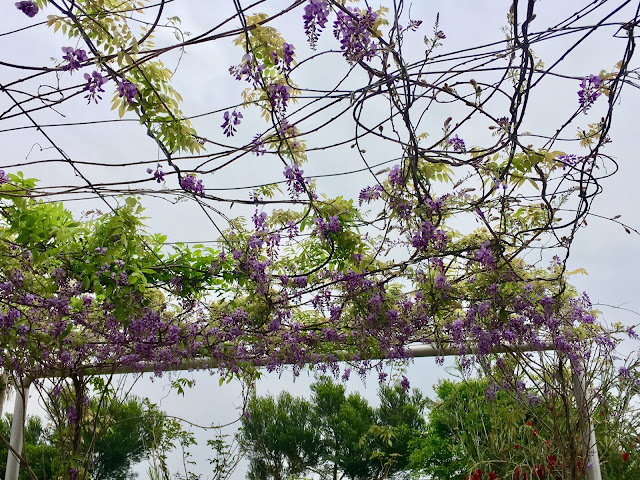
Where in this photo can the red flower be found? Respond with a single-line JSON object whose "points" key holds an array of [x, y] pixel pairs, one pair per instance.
{"points": [[516, 446], [492, 475], [476, 475], [538, 471], [529, 423], [552, 460], [625, 456], [535, 432]]}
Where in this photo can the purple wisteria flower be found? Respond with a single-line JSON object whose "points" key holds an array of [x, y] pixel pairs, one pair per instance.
{"points": [[568, 160], [279, 95], [292, 229], [316, 15], [324, 227], [396, 178], [588, 92], [427, 236], [457, 143], [258, 145], [296, 183], [4, 178], [300, 281], [94, 85], [30, 9], [485, 256], [369, 194], [260, 221], [190, 184], [404, 383], [231, 121], [333, 225], [127, 90], [287, 55], [249, 70], [288, 131], [353, 32], [158, 174], [491, 391], [436, 204], [74, 57]]}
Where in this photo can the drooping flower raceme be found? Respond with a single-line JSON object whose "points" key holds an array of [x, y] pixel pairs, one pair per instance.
{"points": [[288, 132], [457, 143], [485, 256], [279, 95], [158, 174], [588, 92], [127, 90], [369, 194], [30, 9], [249, 69], [287, 58], [353, 32], [296, 183], [74, 58], [396, 177], [316, 14], [258, 145], [190, 184], [287, 55], [94, 86], [324, 227], [570, 160], [231, 121]]}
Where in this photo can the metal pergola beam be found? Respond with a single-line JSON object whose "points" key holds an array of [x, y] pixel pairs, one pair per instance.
{"points": [[413, 351]]}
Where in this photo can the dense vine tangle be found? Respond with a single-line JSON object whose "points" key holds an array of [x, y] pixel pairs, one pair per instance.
{"points": [[395, 200], [439, 196]]}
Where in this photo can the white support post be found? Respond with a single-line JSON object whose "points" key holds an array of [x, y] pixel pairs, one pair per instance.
{"points": [[587, 427], [4, 386], [17, 430]]}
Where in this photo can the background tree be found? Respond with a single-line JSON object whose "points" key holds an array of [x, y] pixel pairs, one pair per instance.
{"points": [[39, 449], [401, 411], [345, 421], [351, 439], [281, 437], [129, 431], [471, 428]]}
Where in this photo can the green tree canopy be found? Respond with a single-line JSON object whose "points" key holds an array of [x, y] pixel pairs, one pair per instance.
{"points": [[337, 436], [129, 430], [468, 432]]}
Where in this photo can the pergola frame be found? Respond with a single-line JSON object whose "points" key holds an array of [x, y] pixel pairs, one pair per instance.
{"points": [[415, 351]]}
